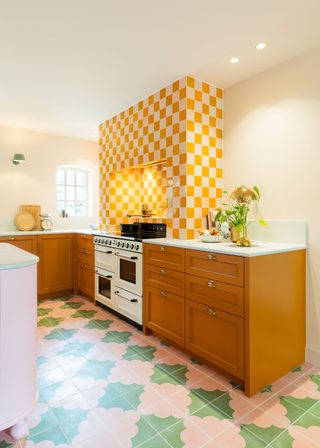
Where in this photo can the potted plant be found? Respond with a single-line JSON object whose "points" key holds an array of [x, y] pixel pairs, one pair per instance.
{"points": [[234, 215]]}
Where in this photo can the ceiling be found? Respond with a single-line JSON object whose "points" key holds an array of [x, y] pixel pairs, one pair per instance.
{"points": [[68, 65]]}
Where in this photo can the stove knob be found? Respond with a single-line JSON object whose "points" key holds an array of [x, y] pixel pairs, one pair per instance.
{"points": [[137, 247], [118, 243], [110, 242], [98, 240], [131, 246], [94, 240], [122, 244], [127, 245]]}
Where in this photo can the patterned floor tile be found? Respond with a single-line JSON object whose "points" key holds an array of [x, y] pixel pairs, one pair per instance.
{"points": [[51, 377], [133, 431], [210, 389], [115, 411], [103, 439], [83, 426], [233, 405], [238, 436], [41, 420], [53, 435], [100, 394], [88, 379], [184, 433], [59, 391], [70, 407]]}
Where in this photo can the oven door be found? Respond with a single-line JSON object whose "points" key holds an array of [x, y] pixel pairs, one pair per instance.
{"points": [[104, 287], [128, 304], [129, 271], [104, 258]]}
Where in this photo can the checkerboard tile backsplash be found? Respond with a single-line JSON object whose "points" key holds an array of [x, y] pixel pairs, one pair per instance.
{"points": [[181, 123]]}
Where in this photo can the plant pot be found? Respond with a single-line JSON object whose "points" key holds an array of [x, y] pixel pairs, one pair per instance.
{"points": [[235, 235]]}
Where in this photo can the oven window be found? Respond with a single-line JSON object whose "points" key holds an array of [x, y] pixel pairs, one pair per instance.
{"points": [[104, 287], [128, 271]]}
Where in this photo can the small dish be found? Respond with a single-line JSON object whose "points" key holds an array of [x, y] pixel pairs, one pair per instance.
{"points": [[211, 238], [94, 226]]}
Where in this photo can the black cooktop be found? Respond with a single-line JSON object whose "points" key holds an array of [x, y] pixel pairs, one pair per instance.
{"points": [[145, 231]]}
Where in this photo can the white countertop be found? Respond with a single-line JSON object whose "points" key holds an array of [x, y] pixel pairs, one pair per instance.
{"points": [[12, 257], [257, 249], [49, 232]]}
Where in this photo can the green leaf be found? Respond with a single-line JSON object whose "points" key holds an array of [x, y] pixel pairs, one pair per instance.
{"points": [[257, 191], [231, 224], [239, 228], [262, 222], [217, 216], [227, 205], [223, 219], [225, 192]]}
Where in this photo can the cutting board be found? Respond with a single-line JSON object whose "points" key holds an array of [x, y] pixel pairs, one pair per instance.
{"points": [[35, 210], [24, 221]]}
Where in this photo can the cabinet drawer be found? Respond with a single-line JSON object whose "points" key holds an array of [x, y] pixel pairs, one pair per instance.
{"points": [[165, 257], [86, 256], [223, 296], [166, 314], [223, 268], [166, 279], [216, 337], [85, 241], [86, 279]]}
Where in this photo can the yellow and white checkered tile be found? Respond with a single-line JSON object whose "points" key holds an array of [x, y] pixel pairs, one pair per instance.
{"points": [[181, 123]]}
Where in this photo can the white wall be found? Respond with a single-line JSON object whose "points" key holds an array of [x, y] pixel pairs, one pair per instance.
{"points": [[34, 182], [272, 140]]}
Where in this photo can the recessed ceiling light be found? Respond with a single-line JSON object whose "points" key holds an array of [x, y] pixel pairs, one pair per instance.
{"points": [[261, 46], [234, 60]]}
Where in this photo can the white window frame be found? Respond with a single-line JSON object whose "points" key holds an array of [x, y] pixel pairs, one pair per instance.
{"points": [[88, 190]]}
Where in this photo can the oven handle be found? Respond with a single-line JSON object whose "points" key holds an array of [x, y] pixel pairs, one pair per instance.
{"points": [[126, 256], [105, 276], [117, 293], [104, 251]]}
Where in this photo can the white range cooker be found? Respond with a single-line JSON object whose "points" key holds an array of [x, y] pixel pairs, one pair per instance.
{"points": [[118, 269]]}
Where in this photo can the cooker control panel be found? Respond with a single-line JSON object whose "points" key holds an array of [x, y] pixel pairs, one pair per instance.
{"points": [[122, 244]]}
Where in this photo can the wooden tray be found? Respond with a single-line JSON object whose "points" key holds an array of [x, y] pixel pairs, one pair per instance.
{"points": [[35, 210], [24, 221]]}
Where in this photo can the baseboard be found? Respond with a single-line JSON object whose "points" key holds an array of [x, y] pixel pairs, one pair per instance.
{"points": [[313, 356]]}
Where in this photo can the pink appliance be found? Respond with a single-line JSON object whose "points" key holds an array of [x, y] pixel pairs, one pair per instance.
{"points": [[18, 338]]}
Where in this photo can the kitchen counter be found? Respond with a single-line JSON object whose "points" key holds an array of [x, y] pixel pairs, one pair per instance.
{"points": [[12, 257], [49, 232], [257, 249]]}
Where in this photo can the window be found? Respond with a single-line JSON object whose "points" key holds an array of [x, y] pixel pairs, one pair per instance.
{"points": [[72, 191]]}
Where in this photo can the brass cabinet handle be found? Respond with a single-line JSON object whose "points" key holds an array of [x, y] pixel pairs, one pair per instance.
{"points": [[84, 236], [163, 294], [85, 266], [39, 248], [163, 271], [84, 251], [211, 257], [164, 249], [12, 238], [211, 284], [211, 311]]}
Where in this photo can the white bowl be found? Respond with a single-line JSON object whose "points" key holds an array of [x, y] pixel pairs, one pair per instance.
{"points": [[94, 226], [211, 238]]}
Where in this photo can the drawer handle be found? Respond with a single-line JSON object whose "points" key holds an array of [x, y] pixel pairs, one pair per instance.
{"points": [[12, 238], [211, 284], [84, 251], [164, 249], [211, 257], [163, 271], [163, 294], [84, 236], [85, 266], [211, 312]]}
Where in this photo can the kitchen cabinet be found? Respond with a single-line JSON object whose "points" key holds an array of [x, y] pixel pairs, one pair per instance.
{"points": [[25, 242], [84, 266], [55, 268], [242, 316]]}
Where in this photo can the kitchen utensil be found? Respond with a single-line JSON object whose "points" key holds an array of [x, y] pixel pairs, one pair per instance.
{"points": [[211, 238], [24, 221], [129, 228], [35, 210], [46, 224]]}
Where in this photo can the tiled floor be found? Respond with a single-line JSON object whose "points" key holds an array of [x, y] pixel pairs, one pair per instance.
{"points": [[105, 385]]}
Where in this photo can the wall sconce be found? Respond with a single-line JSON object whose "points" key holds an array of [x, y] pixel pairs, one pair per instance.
{"points": [[18, 158]]}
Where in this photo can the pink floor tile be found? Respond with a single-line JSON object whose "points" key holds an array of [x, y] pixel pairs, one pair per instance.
{"points": [[181, 401], [103, 439], [305, 383], [126, 430], [303, 436], [91, 426], [257, 399], [297, 392], [193, 436], [212, 426], [93, 394], [167, 389], [112, 416], [231, 438], [260, 418], [275, 408], [240, 406], [209, 384]]}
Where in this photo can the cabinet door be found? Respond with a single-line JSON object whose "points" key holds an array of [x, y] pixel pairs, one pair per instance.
{"points": [[26, 242], [85, 241], [86, 279], [55, 268], [216, 336], [165, 314], [171, 281], [165, 257]]}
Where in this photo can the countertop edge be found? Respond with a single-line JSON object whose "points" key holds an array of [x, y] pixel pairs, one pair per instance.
{"points": [[269, 248], [12, 257]]}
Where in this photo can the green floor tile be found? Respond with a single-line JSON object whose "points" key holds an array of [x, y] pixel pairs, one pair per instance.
{"points": [[47, 421], [71, 426], [51, 377], [315, 410], [119, 402], [124, 336], [110, 393], [54, 434], [265, 434], [223, 404], [211, 411], [65, 409], [145, 432], [124, 388], [283, 441], [105, 370], [44, 311], [304, 403], [156, 442], [172, 435], [173, 369], [133, 396], [209, 395], [307, 420], [105, 324], [251, 440], [160, 424]]}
